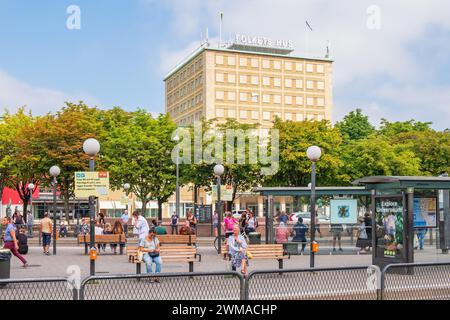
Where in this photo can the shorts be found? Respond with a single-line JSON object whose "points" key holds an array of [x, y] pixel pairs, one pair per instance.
{"points": [[216, 225], [46, 239], [228, 234], [336, 235]]}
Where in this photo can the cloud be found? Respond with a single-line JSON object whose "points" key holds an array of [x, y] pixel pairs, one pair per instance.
{"points": [[16, 93], [394, 55]]}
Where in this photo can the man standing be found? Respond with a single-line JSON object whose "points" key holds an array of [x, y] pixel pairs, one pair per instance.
{"points": [[124, 218], [174, 223], [46, 230], [140, 225], [30, 222], [10, 240]]}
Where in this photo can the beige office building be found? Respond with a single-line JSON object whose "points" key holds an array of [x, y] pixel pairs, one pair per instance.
{"points": [[250, 84]]}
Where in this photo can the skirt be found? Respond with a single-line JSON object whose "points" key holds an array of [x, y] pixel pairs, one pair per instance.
{"points": [[362, 243]]}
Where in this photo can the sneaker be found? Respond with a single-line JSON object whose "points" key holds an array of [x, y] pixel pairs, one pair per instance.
{"points": [[340, 249], [334, 249], [26, 265]]}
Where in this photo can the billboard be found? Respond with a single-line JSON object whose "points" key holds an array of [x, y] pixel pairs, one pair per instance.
{"points": [[389, 226], [344, 211], [91, 184], [226, 193], [425, 212]]}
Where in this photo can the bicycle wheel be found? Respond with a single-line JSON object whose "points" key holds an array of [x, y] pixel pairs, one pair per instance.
{"points": [[216, 242]]}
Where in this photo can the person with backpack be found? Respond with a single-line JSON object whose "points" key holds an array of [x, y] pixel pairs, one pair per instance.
{"points": [[252, 223], [228, 224]]}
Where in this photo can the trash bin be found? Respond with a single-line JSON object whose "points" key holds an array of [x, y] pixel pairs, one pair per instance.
{"points": [[291, 248], [5, 264], [254, 238]]}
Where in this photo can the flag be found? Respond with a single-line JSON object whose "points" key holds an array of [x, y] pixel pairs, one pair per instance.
{"points": [[308, 25]]}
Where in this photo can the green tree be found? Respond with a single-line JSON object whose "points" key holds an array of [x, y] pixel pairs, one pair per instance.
{"points": [[355, 126]]}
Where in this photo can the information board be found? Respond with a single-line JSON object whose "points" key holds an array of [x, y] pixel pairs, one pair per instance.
{"points": [[91, 184], [425, 212]]}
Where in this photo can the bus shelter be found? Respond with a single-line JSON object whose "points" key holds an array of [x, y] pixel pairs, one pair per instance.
{"points": [[346, 195], [402, 206]]}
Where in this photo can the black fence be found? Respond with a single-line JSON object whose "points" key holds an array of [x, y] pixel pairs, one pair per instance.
{"points": [[430, 281]]}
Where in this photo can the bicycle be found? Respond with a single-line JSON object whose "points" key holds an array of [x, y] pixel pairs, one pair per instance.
{"points": [[224, 240]]}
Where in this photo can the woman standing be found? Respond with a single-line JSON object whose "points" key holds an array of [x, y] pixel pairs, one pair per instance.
{"points": [[117, 229], [363, 240], [237, 248], [192, 220], [150, 247], [251, 223]]}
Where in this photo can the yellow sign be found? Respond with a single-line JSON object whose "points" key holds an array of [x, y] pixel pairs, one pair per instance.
{"points": [[226, 193], [125, 201], [91, 184]]}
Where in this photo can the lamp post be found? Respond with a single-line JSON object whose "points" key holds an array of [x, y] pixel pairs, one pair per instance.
{"points": [[313, 153], [218, 172], [31, 187], [126, 188], [54, 172], [92, 147], [177, 192]]}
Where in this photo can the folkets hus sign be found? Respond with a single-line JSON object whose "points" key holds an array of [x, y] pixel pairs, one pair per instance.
{"points": [[263, 42]]}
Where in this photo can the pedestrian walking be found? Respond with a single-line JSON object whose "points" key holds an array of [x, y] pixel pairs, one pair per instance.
{"points": [[10, 240], [300, 230], [215, 220], [237, 248], [46, 231], [336, 232], [174, 223], [150, 247], [420, 233]]}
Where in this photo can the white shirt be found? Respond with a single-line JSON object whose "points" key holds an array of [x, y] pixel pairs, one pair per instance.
{"points": [[141, 227], [98, 231]]}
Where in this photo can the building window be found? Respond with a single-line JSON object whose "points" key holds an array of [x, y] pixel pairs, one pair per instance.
{"points": [[299, 66], [288, 100], [320, 85], [255, 80], [266, 115], [255, 115], [266, 98], [309, 67], [219, 95], [299, 116], [277, 82], [266, 81], [243, 79], [299, 101], [299, 84], [277, 65], [310, 116], [309, 84], [231, 113], [277, 99], [266, 64], [288, 83], [255, 63], [310, 101], [231, 78], [243, 114], [288, 116], [255, 97], [231, 95], [277, 115], [320, 68], [219, 59], [219, 113], [321, 102], [231, 61], [219, 77], [243, 62], [288, 66], [243, 96]]}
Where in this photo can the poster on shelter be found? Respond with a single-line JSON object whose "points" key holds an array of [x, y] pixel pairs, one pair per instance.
{"points": [[425, 212], [344, 211], [389, 226]]}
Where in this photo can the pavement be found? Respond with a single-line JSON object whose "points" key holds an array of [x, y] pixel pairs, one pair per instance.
{"points": [[69, 257]]}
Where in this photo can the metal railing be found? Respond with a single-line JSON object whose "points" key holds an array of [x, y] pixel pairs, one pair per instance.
{"points": [[423, 281], [430, 281], [38, 289], [170, 286], [352, 283]]}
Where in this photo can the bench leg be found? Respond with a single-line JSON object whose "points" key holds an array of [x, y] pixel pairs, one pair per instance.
{"points": [[86, 249], [191, 266], [138, 268], [280, 264], [121, 249]]}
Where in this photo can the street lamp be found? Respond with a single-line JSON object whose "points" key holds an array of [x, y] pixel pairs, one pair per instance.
{"points": [[218, 172], [126, 187], [31, 187], [177, 192], [313, 153], [92, 147], [54, 172]]}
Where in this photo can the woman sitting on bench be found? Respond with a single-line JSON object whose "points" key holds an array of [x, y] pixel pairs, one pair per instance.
{"points": [[150, 247]]}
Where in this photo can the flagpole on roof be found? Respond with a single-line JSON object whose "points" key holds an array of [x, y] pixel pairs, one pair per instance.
{"points": [[220, 28], [308, 26]]}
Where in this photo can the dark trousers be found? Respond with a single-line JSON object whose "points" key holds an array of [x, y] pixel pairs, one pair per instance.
{"points": [[174, 229]]}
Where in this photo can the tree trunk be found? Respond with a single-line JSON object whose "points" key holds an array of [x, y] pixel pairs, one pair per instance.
{"points": [[144, 207], [66, 207], [24, 213], [160, 217], [195, 200]]}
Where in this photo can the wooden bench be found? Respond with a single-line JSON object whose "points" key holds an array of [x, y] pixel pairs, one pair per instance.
{"points": [[177, 239], [168, 254], [118, 239], [268, 251]]}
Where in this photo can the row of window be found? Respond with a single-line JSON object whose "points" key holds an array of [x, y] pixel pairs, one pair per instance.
{"points": [[191, 118], [186, 104], [269, 98], [267, 115], [269, 81], [185, 90], [185, 73], [269, 64]]}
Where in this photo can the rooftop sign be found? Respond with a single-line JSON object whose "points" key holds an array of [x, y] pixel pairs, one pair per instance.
{"points": [[263, 42]]}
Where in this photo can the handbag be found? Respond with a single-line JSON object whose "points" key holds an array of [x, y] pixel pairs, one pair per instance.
{"points": [[154, 254], [249, 255]]}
